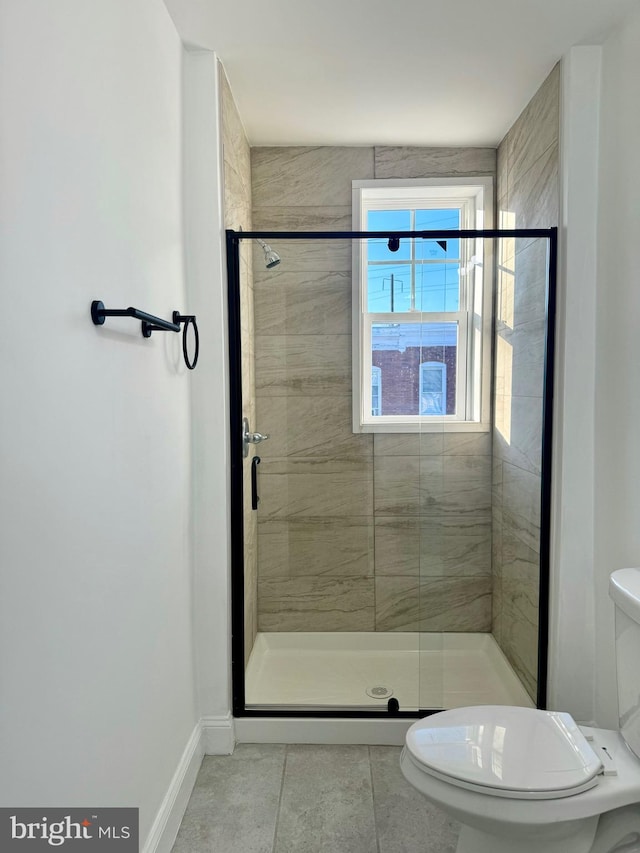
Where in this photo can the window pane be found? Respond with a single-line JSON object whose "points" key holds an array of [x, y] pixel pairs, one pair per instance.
{"points": [[432, 220], [437, 287], [375, 391], [436, 220], [400, 351], [388, 220], [388, 287]]}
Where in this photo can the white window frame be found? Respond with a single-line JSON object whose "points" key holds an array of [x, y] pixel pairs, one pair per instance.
{"points": [[474, 197]]}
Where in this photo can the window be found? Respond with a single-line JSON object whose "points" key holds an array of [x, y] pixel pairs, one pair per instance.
{"points": [[421, 307], [433, 388]]}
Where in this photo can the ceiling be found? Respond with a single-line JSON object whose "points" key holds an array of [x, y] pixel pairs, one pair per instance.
{"points": [[400, 72]]}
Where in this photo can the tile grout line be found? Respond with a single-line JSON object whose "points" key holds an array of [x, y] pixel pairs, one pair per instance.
{"points": [[373, 800], [275, 828]]}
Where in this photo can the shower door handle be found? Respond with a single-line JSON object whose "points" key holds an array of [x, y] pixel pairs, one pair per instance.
{"points": [[255, 500], [249, 437]]}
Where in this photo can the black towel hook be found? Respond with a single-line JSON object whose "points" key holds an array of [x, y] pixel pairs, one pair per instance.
{"points": [[188, 319]]}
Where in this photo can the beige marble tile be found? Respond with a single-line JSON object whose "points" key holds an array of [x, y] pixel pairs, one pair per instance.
{"points": [[519, 642], [417, 162], [497, 527], [455, 485], [315, 487], [530, 282], [237, 205], [496, 610], [496, 483], [397, 546], [447, 547], [246, 264], [537, 127], [503, 364], [521, 509], [397, 485], [250, 621], [250, 576], [505, 295], [525, 527], [305, 176], [237, 163], [298, 547], [527, 377], [431, 486], [467, 443], [304, 304], [522, 444], [398, 444], [460, 604], [457, 604], [502, 171], [237, 168], [316, 604], [502, 421], [397, 603], [310, 426], [331, 217], [455, 547], [302, 365], [306, 256], [408, 444], [235, 142], [535, 193], [247, 340], [520, 574]]}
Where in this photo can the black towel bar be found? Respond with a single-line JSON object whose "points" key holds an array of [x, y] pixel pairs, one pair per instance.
{"points": [[149, 322]]}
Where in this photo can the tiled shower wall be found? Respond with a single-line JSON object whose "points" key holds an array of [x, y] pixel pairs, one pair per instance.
{"points": [[527, 194], [356, 532], [237, 214]]}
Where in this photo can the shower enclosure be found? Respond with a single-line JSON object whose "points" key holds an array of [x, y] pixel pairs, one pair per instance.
{"points": [[390, 468]]}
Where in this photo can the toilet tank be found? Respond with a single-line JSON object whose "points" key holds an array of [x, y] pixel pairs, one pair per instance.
{"points": [[624, 589]]}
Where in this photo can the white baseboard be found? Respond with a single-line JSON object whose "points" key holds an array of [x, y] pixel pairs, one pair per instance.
{"points": [[167, 823], [211, 736], [218, 735]]}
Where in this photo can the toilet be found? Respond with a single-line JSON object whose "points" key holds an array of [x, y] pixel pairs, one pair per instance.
{"points": [[521, 780]]}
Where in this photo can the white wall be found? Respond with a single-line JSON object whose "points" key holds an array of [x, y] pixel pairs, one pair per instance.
{"points": [[597, 509], [210, 429], [617, 399], [96, 658], [572, 628]]}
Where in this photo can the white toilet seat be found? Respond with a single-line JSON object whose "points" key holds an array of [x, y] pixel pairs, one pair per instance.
{"points": [[505, 751]]}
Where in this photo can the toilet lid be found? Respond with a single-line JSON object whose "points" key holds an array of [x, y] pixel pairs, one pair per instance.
{"points": [[505, 751]]}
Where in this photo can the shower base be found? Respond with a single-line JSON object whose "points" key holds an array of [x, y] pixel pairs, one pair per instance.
{"points": [[334, 671]]}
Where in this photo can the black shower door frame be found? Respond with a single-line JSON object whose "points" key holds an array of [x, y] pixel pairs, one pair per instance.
{"points": [[233, 239]]}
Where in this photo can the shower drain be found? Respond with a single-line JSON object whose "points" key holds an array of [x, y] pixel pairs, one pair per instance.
{"points": [[379, 692]]}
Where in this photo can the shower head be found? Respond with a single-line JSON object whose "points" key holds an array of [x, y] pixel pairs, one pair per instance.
{"points": [[271, 258]]}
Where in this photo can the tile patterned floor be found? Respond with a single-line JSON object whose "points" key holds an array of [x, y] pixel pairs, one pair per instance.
{"points": [[276, 798]]}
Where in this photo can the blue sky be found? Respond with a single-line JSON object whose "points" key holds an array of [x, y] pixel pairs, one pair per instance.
{"points": [[435, 285]]}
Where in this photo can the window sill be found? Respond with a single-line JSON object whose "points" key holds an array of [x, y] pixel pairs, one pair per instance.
{"points": [[432, 426]]}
